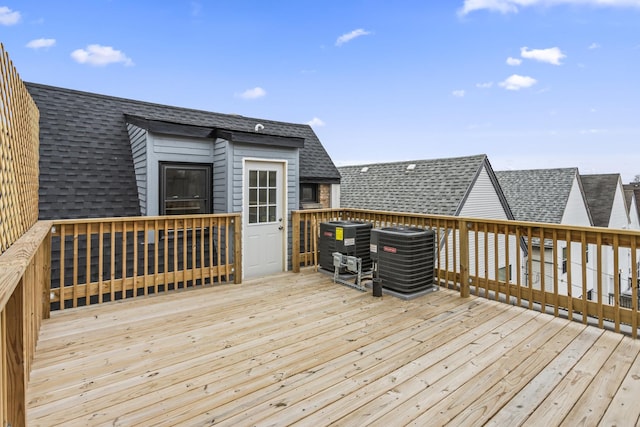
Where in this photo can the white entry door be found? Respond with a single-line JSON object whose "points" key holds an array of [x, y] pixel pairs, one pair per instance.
{"points": [[264, 219]]}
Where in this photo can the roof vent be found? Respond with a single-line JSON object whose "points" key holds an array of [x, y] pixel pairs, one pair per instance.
{"points": [[364, 169], [411, 167], [259, 127]]}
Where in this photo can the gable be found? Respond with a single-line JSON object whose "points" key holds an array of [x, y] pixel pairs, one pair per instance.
{"points": [[600, 191], [538, 195], [619, 213], [576, 212], [483, 200]]}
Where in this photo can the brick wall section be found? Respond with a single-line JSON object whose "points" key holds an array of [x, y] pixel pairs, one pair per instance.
{"points": [[325, 195]]}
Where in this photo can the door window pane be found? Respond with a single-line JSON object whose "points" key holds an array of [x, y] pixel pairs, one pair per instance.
{"points": [[262, 196]]}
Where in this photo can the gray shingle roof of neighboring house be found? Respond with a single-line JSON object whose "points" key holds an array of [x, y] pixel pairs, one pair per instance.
{"points": [[86, 166], [538, 195], [600, 191], [629, 191], [436, 186]]}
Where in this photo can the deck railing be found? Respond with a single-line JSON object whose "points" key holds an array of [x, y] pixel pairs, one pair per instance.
{"points": [[24, 289], [568, 271], [58, 264], [98, 260], [24, 243]]}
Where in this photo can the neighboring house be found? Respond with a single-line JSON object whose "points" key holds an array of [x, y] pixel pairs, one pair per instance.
{"points": [[463, 186], [552, 196], [632, 197], [102, 156], [606, 200]]}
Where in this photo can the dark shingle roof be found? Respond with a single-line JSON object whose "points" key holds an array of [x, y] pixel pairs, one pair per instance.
{"points": [[629, 190], [437, 186], [538, 195], [86, 167], [600, 191]]}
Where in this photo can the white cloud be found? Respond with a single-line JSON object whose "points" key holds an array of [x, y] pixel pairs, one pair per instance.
{"points": [[41, 43], [458, 93], [8, 16], [350, 36], [99, 56], [591, 131], [514, 6], [514, 61], [256, 92], [486, 85], [316, 122], [552, 55], [517, 82], [594, 46]]}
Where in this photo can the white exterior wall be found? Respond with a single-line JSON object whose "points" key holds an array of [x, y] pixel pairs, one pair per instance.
{"points": [[576, 213], [634, 219], [619, 219], [483, 202], [634, 224], [335, 196]]}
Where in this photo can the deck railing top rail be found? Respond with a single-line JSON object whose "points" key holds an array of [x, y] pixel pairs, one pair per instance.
{"points": [[586, 273]]}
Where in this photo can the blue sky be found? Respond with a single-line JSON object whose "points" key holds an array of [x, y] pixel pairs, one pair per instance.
{"points": [[531, 83]]}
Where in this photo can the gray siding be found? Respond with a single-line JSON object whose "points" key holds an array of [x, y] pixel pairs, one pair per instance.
{"points": [[163, 148], [138, 138], [221, 197], [245, 151]]}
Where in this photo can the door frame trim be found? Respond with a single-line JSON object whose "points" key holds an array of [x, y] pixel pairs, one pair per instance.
{"points": [[285, 207]]}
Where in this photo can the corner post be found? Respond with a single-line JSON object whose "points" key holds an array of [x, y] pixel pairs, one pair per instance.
{"points": [[463, 233], [46, 276], [295, 241], [237, 249]]}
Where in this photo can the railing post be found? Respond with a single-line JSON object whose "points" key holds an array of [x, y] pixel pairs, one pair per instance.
{"points": [[295, 241], [463, 233], [237, 249], [46, 276], [16, 364]]}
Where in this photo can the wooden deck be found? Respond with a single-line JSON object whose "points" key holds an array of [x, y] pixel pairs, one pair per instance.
{"points": [[296, 348]]}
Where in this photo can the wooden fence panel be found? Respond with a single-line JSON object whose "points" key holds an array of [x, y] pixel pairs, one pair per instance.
{"points": [[19, 145]]}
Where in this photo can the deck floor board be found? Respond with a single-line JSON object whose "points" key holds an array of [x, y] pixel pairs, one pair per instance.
{"points": [[299, 349]]}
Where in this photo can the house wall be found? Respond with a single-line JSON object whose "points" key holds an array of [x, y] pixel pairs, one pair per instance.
{"points": [[138, 138], [634, 219], [324, 196], [619, 219], [483, 202], [238, 152], [227, 160], [161, 148], [549, 273], [575, 213], [221, 177], [634, 224], [335, 196]]}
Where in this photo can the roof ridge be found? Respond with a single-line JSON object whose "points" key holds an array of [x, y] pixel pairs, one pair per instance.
{"points": [[156, 104], [400, 162]]}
